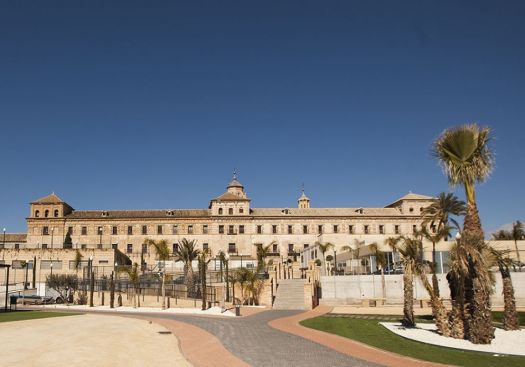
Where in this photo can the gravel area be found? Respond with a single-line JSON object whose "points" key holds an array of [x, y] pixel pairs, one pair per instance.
{"points": [[505, 342]]}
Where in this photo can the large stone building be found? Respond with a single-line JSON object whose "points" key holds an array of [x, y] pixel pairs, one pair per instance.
{"points": [[229, 224]]}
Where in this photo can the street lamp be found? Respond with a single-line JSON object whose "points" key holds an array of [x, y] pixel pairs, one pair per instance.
{"points": [[51, 266], [226, 265]]}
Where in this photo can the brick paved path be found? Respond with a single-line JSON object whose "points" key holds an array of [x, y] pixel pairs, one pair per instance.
{"points": [[254, 341]]}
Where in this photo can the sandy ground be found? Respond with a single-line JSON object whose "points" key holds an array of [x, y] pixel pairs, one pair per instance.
{"points": [[87, 340], [505, 342]]}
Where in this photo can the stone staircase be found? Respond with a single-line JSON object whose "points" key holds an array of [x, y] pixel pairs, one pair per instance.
{"points": [[289, 295]]}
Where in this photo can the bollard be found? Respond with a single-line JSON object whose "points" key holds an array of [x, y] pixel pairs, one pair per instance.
{"points": [[237, 310]]}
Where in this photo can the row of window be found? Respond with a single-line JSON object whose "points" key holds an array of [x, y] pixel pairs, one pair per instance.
{"points": [[46, 213], [230, 211], [232, 229]]}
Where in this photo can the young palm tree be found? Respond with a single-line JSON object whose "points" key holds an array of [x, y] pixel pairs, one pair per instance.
{"points": [[441, 233], [510, 317], [517, 234], [381, 263], [187, 252], [466, 158], [134, 278], [204, 258], [262, 253], [324, 247], [242, 276], [163, 254]]}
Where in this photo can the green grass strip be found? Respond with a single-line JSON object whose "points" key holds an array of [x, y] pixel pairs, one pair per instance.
{"points": [[30, 315], [371, 333]]}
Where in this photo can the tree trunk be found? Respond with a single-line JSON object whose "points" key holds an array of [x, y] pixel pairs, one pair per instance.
{"points": [[163, 289], [438, 308], [91, 288], [112, 292], [435, 283], [408, 303], [481, 329], [383, 285], [510, 317]]}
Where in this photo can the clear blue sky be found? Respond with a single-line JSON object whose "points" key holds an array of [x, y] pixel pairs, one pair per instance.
{"points": [[151, 104]]}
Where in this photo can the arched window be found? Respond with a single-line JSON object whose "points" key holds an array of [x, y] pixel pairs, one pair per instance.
{"points": [[37, 213], [230, 211], [46, 213], [220, 210], [56, 213]]}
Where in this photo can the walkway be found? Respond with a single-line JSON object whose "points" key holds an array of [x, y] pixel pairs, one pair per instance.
{"points": [[256, 343]]}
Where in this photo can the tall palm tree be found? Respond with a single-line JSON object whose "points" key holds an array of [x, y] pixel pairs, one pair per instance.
{"points": [[224, 261], [163, 254], [187, 252], [510, 316], [204, 258], [517, 234], [324, 247], [262, 253], [411, 255], [381, 263], [466, 158]]}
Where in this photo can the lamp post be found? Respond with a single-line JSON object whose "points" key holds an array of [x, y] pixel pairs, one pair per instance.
{"points": [[3, 249], [100, 237], [51, 267], [226, 265]]}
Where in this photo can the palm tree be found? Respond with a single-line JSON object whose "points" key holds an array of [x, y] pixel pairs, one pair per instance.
{"points": [[324, 247], [187, 252], [411, 255], [517, 234], [242, 276], [134, 278], [223, 258], [381, 263], [502, 235], [510, 317], [466, 158], [441, 233], [262, 253], [163, 254], [204, 258], [392, 243]]}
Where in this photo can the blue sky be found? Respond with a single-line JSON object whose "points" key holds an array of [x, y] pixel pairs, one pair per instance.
{"points": [[151, 104]]}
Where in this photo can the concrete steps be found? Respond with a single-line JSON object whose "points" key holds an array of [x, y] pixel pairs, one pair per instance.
{"points": [[290, 295]]}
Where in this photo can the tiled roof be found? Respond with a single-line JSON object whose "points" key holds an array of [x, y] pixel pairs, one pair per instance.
{"points": [[14, 237], [412, 196], [49, 199], [326, 212], [228, 196], [165, 213]]}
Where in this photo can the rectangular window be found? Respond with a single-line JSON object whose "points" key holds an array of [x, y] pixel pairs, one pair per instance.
{"points": [[396, 229], [70, 230], [259, 229], [351, 229], [144, 248], [336, 228], [221, 229], [159, 229], [17, 246], [305, 229], [367, 229], [320, 229], [83, 246], [205, 246], [99, 246], [103, 261], [130, 230], [190, 229], [129, 248], [241, 210], [290, 229], [290, 248], [84, 231], [114, 246], [232, 248], [275, 248], [46, 264], [414, 228], [144, 229], [175, 247], [305, 246], [114, 230], [241, 229], [45, 231], [44, 245], [381, 229], [274, 229], [231, 230], [205, 229]]}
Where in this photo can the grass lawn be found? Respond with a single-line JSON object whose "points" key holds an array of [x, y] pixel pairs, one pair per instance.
{"points": [[370, 332], [29, 315]]}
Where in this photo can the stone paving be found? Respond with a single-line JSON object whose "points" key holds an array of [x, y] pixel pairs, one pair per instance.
{"points": [[254, 341]]}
